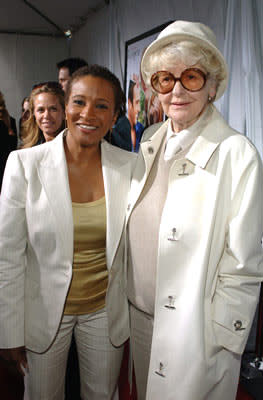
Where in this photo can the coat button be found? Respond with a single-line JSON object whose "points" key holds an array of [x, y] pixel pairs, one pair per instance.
{"points": [[238, 325], [160, 371], [128, 207], [170, 304], [150, 150], [173, 236]]}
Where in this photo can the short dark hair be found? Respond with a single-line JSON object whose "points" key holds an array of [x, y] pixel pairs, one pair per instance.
{"points": [[72, 64], [101, 72]]}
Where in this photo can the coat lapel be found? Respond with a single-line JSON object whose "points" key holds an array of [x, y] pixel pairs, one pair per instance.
{"points": [[53, 175], [214, 132], [148, 151], [117, 177]]}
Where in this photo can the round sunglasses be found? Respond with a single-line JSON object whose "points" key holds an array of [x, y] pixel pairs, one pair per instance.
{"points": [[192, 79]]}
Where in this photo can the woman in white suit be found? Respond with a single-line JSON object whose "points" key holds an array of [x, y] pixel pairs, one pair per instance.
{"points": [[194, 228], [61, 218]]}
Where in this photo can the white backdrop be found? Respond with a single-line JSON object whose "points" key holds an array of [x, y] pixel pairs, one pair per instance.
{"points": [[24, 61]]}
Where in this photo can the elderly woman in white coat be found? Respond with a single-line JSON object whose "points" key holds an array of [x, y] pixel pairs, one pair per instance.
{"points": [[194, 228], [61, 217]]}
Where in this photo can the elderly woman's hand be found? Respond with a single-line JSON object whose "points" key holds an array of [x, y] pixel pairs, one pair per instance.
{"points": [[16, 357]]}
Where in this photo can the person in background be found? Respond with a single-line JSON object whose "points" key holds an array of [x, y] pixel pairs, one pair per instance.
{"points": [[25, 110], [66, 68], [8, 136], [137, 128], [24, 117], [152, 112], [194, 227], [46, 114], [59, 271]]}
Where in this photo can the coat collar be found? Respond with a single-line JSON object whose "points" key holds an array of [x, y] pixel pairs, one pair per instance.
{"points": [[213, 133], [151, 144], [117, 167]]}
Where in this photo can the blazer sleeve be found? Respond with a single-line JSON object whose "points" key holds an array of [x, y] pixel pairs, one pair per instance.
{"points": [[240, 267], [13, 241]]}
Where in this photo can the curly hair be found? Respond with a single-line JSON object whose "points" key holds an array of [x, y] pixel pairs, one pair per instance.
{"points": [[31, 133], [104, 73]]}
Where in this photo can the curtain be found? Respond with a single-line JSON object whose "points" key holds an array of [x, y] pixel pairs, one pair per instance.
{"points": [[242, 104]]}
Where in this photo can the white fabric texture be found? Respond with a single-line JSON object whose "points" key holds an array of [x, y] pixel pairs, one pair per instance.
{"points": [[141, 340], [99, 361]]}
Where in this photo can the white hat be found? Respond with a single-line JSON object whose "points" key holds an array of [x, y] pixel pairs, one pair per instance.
{"points": [[195, 32]]}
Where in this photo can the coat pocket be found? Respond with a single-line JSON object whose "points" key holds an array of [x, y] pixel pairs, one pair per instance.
{"points": [[229, 325]]}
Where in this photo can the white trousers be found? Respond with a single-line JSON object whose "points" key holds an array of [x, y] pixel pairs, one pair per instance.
{"points": [[99, 361], [141, 342]]}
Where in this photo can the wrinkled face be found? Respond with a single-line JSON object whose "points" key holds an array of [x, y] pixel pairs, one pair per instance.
{"points": [[90, 111], [63, 77], [181, 105], [49, 114]]}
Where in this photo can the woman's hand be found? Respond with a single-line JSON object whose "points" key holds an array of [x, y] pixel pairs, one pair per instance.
{"points": [[16, 357]]}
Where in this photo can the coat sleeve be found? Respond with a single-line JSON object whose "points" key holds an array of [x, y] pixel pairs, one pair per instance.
{"points": [[240, 268], [13, 240]]}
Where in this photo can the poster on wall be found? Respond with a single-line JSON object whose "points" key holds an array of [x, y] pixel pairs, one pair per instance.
{"points": [[143, 106]]}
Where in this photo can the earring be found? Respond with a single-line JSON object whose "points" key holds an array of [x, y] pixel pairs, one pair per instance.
{"points": [[209, 99]]}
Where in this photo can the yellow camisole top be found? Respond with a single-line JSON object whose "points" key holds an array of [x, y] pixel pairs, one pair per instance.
{"points": [[90, 276]]}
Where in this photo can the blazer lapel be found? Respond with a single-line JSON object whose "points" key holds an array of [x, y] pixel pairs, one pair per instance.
{"points": [[117, 176], [53, 175], [148, 151]]}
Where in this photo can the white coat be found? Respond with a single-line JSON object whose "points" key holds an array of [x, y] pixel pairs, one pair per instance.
{"points": [[36, 241], [209, 262]]}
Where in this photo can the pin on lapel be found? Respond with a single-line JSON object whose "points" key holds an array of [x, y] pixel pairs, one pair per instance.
{"points": [[173, 237], [160, 372], [183, 173], [171, 305]]}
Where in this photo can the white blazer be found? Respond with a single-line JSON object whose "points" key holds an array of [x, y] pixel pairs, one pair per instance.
{"points": [[36, 240], [209, 263]]}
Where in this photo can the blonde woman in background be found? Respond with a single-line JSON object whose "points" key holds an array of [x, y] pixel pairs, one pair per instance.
{"points": [[46, 114]]}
